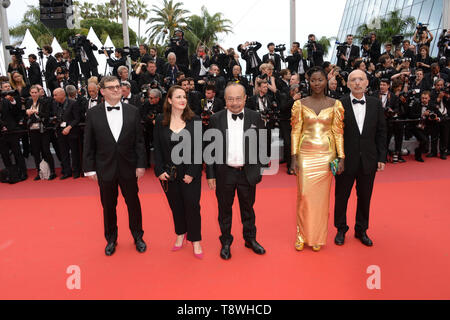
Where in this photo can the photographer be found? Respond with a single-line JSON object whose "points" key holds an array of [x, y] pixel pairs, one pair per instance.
{"points": [[38, 114], [415, 111], [128, 97], [9, 115], [423, 60], [440, 99], [386, 70], [296, 62], [17, 65], [85, 55], [123, 77], [435, 74], [409, 52], [170, 71], [419, 84], [249, 53], [275, 57], [315, 52], [152, 107], [375, 48], [180, 47], [232, 60], [388, 50], [422, 36], [236, 77], [219, 57], [34, 71], [149, 75], [266, 70], [120, 60], [199, 63], [391, 106], [71, 65], [213, 78], [67, 117], [159, 62], [347, 51], [50, 68], [286, 103], [144, 56]]}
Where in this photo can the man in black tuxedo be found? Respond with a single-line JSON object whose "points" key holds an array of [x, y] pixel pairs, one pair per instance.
{"points": [[375, 48], [351, 52], [275, 57], [71, 65], [50, 68], [128, 97], [114, 155], [68, 114], [249, 53], [123, 75], [34, 70], [365, 153], [316, 50], [211, 102], [120, 60], [238, 169]]}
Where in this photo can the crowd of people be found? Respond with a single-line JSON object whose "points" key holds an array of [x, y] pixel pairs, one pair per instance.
{"points": [[39, 112]]}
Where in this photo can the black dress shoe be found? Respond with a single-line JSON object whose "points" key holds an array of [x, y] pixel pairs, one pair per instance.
{"points": [[23, 177], [225, 252], [37, 178], [110, 248], [401, 160], [431, 155], [419, 159], [76, 176], [140, 245], [52, 176], [65, 176], [364, 239], [255, 246], [443, 156], [340, 238]]}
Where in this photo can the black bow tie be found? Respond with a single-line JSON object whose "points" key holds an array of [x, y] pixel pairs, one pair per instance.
{"points": [[355, 101], [210, 101], [113, 108], [235, 116], [94, 100]]}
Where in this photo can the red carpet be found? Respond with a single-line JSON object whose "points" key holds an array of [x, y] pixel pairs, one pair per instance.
{"points": [[47, 226]]}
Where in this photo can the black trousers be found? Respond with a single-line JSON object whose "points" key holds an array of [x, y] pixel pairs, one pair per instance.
{"points": [[148, 140], [285, 130], [225, 192], [109, 191], [70, 153], [396, 129], [40, 144], [364, 188], [184, 201], [11, 142], [422, 138], [438, 132]]}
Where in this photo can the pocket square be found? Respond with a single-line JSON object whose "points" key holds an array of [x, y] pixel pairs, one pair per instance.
{"points": [[253, 126]]}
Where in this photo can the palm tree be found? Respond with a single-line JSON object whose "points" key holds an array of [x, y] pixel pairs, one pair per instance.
{"points": [[205, 28], [168, 18], [87, 10], [138, 9], [393, 25]]}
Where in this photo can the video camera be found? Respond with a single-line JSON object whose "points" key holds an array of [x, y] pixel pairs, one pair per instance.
{"points": [[3, 94], [133, 52], [401, 60], [18, 52], [109, 50], [397, 40], [280, 48], [341, 49], [421, 27], [76, 42]]}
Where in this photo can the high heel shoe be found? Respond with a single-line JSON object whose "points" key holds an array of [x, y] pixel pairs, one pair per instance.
{"points": [[176, 248], [299, 243], [197, 255], [316, 248]]}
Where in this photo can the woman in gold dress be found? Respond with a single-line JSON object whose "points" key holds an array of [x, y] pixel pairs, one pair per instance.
{"points": [[317, 139]]}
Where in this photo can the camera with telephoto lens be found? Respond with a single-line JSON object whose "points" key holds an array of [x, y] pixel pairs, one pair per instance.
{"points": [[433, 116], [3, 94], [341, 49], [133, 52], [271, 114]]}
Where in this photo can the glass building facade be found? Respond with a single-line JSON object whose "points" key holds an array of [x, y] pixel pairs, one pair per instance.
{"points": [[358, 12]]}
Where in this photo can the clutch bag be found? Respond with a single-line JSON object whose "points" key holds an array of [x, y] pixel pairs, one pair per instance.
{"points": [[334, 165]]}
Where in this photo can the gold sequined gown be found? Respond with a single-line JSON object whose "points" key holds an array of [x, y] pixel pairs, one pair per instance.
{"points": [[316, 141]]}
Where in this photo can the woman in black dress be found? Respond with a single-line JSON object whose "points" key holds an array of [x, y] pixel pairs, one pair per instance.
{"points": [[180, 178]]}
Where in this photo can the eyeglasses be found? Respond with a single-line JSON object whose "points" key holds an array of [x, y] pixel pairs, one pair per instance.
{"points": [[113, 87], [232, 99]]}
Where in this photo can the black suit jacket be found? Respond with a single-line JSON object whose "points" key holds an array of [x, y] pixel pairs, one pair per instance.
{"points": [[34, 74], [162, 144], [367, 148], [135, 100], [277, 61], [354, 53], [50, 68], [108, 158], [218, 105], [392, 101], [9, 115], [253, 103], [196, 66], [252, 122], [69, 112]]}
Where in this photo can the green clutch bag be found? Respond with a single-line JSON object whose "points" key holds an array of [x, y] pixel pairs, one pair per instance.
{"points": [[334, 165]]}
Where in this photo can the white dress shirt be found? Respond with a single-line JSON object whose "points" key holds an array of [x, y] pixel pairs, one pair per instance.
{"points": [[93, 103], [235, 155], [115, 122], [360, 111], [384, 97]]}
